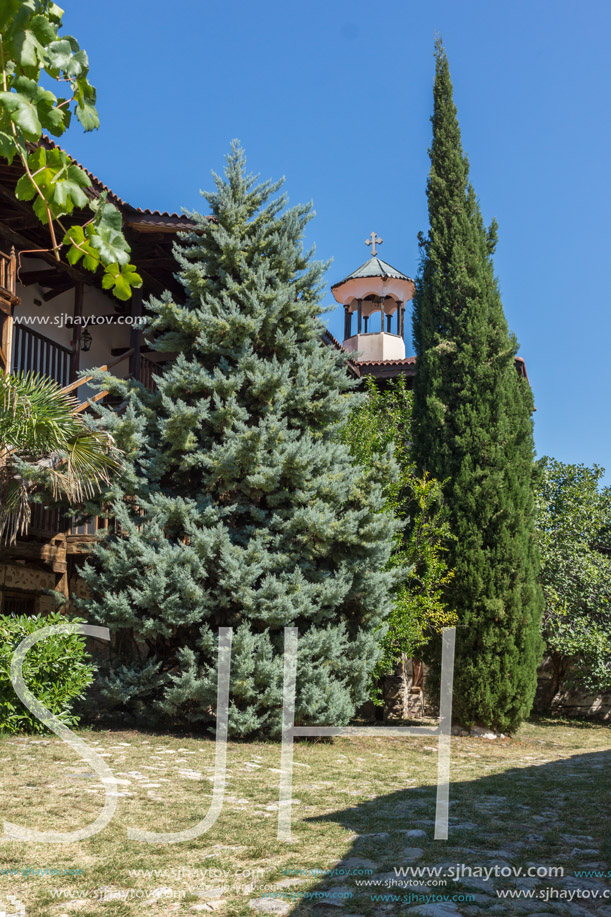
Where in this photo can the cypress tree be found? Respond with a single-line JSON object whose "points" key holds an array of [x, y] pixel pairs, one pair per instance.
{"points": [[473, 430], [240, 506]]}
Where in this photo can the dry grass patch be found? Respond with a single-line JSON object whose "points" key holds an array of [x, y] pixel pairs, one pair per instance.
{"points": [[551, 780]]}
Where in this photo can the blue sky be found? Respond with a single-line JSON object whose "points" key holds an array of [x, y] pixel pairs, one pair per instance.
{"points": [[336, 96]]}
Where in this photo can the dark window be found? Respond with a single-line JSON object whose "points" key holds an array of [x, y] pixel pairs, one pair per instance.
{"points": [[18, 603]]}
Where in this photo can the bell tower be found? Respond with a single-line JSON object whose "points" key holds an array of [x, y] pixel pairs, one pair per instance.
{"points": [[376, 294]]}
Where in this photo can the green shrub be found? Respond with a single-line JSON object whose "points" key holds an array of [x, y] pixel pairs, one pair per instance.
{"points": [[57, 671]]}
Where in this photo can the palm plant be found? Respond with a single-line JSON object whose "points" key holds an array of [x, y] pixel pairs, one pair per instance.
{"points": [[46, 446]]}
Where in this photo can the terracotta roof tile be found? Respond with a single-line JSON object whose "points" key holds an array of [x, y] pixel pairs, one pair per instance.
{"points": [[100, 187], [407, 361]]}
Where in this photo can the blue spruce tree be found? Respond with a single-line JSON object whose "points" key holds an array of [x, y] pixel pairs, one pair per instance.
{"points": [[239, 505]]}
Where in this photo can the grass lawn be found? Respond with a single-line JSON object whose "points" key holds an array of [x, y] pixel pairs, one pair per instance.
{"points": [[541, 797]]}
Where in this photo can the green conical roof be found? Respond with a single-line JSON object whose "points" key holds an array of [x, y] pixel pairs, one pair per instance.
{"points": [[375, 267]]}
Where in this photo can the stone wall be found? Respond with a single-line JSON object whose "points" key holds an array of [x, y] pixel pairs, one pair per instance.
{"points": [[21, 580], [402, 700], [571, 702], [403, 692]]}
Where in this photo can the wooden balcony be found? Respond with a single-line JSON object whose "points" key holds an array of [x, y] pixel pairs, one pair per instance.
{"points": [[48, 521], [33, 352]]}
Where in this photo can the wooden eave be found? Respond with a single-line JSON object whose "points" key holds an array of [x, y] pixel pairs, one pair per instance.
{"points": [[151, 235]]}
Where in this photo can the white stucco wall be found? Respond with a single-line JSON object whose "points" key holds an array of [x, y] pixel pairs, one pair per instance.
{"points": [[376, 346], [49, 320]]}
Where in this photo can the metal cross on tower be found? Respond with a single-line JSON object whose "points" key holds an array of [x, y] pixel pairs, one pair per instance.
{"points": [[373, 239]]}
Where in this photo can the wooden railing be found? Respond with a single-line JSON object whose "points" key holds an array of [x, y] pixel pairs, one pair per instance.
{"points": [[49, 520], [46, 520], [33, 352], [8, 275], [148, 369]]}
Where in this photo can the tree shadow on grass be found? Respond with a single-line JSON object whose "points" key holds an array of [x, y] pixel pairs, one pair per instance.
{"points": [[552, 815], [554, 720]]}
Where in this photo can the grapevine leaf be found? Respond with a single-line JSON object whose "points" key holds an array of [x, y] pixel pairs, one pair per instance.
{"points": [[85, 96], [87, 114], [38, 159], [98, 202], [107, 215], [40, 209], [44, 107], [79, 65], [24, 189], [8, 8], [111, 245], [27, 9], [55, 13], [7, 147], [59, 54], [27, 49], [78, 176], [33, 50], [68, 195], [23, 113], [44, 30], [80, 247], [74, 236], [53, 119], [91, 261], [121, 280], [57, 180]]}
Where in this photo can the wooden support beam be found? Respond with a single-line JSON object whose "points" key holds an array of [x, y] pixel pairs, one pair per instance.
{"points": [[46, 277], [6, 341], [75, 356], [6, 315], [61, 288], [52, 554], [62, 583], [135, 338], [4, 362], [19, 221]]}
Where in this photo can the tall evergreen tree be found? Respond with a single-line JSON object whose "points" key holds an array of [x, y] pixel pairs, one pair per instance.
{"points": [[473, 430], [245, 508]]}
